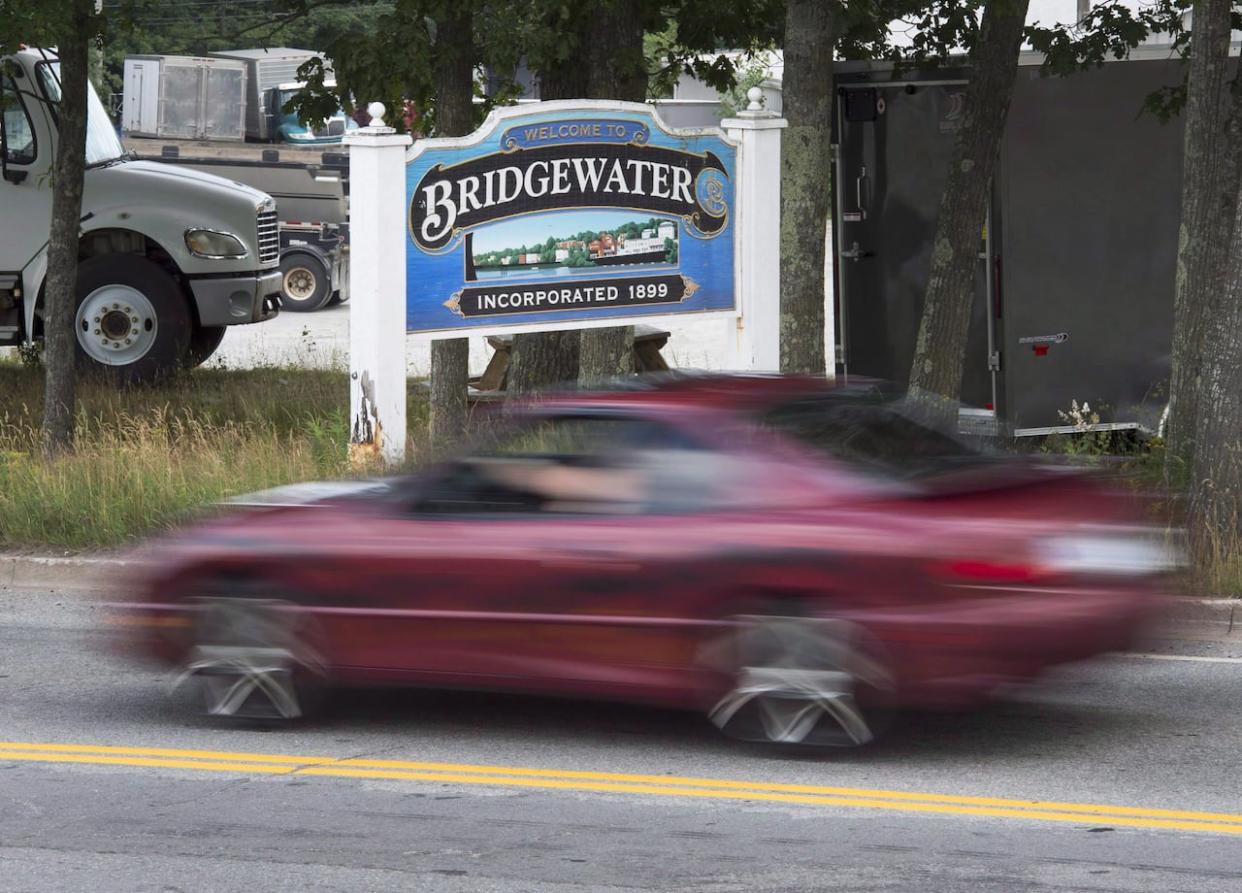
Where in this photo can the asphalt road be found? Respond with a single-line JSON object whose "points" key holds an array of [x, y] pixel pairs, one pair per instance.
{"points": [[1109, 777]]}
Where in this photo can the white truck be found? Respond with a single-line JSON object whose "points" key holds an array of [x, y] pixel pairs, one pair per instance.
{"points": [[169, 257]]}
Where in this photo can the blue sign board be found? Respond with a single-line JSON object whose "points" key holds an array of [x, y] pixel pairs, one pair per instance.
{"points": [[566, 213]]}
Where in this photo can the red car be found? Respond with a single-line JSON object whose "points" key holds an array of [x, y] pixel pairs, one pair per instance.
{"points": [[794, 557]]}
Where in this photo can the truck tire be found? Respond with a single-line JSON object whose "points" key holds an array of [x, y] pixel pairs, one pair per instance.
{"points": [[203, 343], [336, 299], [304, 286], [132, 320]]}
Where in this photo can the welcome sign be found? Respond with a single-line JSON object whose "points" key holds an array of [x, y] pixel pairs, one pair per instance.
{"points": [[567, 213]]}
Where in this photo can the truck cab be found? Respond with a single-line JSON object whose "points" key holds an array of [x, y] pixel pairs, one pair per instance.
{"points": [[168, 258], [285, 127]]}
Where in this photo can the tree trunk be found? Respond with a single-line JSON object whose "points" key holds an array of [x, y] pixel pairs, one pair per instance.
{"points": [[617, 69], [540, 360], [806, 169], [936, 373], [1216, 484], [68, 172], [450, 358], [1209, 195]]}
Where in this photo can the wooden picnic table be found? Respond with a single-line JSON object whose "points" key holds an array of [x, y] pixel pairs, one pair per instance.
{"points": [[648, 342]]}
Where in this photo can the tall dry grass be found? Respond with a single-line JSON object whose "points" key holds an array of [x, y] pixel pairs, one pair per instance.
{"points": [[148, 457]]}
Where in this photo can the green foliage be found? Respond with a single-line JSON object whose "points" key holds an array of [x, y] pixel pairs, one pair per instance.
{"points": [[1112, 30]]}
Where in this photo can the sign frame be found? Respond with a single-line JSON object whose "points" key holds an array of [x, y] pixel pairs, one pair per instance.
{"points": [[492, 128]]}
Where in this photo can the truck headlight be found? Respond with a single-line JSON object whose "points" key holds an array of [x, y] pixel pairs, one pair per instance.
{"points": [[211, 244]]}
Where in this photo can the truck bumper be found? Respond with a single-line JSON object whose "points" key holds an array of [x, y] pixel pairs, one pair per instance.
{"points": [[234, 300]]}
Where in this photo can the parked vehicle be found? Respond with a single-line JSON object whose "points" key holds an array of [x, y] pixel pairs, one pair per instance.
{"points": [[237, 95], [793, 557], [312, 204], [286, 128], [184, 97], [1076, 269], [169, 256], [271, 81]]}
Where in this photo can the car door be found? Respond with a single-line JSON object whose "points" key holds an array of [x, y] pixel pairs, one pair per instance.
{"points": [[527, 564]]}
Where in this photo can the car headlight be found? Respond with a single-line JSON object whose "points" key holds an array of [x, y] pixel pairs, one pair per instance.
{"points": [[212, 244], [1122, 552]]}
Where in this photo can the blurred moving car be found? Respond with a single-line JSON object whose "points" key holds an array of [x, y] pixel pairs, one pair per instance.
{"points": [[794, 557]]}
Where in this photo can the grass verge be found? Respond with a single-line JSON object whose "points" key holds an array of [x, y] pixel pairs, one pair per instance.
{"points": [[145, 457]]}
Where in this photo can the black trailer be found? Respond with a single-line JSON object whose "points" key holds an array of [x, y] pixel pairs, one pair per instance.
{"points": [[1077, 256]]}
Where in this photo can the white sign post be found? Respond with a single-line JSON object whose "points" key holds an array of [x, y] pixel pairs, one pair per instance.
{"points": [[755, 341], [377, 390]]}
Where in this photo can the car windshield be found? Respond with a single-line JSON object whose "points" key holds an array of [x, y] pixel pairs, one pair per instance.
{"points": [[877, 434], [102, 143]]}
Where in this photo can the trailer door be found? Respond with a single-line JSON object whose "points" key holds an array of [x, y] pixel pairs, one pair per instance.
{"points": [[895, 144], [141, 105]]}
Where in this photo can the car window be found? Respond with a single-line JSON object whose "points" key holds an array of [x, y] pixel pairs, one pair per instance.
{"points": [[18, 134], [878, 435], [577, 465]]}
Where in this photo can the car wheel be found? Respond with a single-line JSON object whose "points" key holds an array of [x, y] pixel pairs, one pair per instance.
{"points": [[800, 680], [303, 284], [203, 343], [132, 321], [255, 659]]}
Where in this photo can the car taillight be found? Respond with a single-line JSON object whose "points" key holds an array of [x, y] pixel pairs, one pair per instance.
{"points": [[975, 571]]}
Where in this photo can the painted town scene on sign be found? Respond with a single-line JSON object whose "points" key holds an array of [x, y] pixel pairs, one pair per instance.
{"points": [[630, 243]]}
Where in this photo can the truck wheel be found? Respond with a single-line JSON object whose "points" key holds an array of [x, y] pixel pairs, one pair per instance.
{"points": [[304, 283], [336, 299], [132, 321], [203, 343]]}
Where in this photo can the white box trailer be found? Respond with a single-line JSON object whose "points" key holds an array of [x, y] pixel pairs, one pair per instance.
{"points": [[184, 97], [267, 70]]}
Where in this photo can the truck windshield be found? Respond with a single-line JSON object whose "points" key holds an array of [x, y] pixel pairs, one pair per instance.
{"points": [[102, 143]]}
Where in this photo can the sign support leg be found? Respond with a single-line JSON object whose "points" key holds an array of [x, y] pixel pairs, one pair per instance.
{"points": [[755, 340], [377, 387]]}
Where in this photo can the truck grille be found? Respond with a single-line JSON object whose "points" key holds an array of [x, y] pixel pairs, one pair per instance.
{"points": [[269, 236]]}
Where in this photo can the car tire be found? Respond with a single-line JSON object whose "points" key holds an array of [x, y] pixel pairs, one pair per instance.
{"points": [[802, 681], [256, 659], [203, 343], [132, 320], [304, 285]]}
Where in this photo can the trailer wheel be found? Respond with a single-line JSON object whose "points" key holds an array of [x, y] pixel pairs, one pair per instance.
{"points": [[132, 321], [304, 283], [203, 343]]}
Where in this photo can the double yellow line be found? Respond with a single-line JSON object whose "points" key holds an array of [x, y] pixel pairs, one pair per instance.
{"points": [[615, 782]]}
